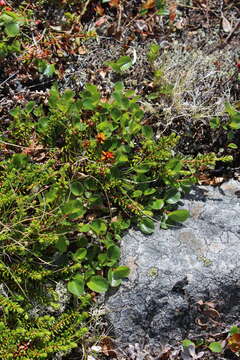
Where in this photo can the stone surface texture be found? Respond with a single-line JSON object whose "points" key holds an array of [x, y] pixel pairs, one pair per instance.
{"points": [[185, 280]]}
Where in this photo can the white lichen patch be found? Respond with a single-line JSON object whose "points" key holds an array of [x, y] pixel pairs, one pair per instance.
{"points": [[58, 298]]}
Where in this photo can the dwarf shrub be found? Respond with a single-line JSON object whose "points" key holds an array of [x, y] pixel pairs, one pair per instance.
{"points": [[76, 173]]}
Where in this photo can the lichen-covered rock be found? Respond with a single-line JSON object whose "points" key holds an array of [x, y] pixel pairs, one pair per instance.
{"points": [[184, 280]]}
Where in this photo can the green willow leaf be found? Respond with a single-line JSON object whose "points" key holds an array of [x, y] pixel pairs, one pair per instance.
{"points": [[77, 188], [178, 215], [12, 29], [73, 208], [215, 347], [147, 226], [62, 244], [98, 284], [157, 204], [112, 281], [80, 254], [99, 226], [121, 272], [113, 252], [147, 131], [76, 286]]}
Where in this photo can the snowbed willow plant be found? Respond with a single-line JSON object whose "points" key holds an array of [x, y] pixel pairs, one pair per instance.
{"points": [[88, 170], [10, 23]]}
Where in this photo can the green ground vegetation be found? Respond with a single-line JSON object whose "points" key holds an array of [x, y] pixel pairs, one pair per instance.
{"points": [[76, 171], [82, 171]]}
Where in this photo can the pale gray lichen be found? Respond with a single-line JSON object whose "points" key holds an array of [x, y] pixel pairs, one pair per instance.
{"points": [[58, 298]]}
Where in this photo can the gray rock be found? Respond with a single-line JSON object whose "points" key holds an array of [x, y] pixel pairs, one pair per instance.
{"points": [[185, 280]]}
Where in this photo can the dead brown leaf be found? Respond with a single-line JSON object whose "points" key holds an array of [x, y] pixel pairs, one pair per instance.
{"points": [[200, 323], [114, 3], [210, 304], [149, 4], [107, 347], [212, 313], [165, 353], [234, 342], [204, 179], [35, 150], [172, 12], [208, 309]]}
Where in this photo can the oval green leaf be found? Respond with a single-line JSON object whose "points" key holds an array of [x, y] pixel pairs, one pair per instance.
{"points": [[113, 252], [147, 131], [76, 286], [62, 244], [186, 343], [121, 158], [230, 109], [235, 121], [234, 330], [113, 282], [49, 70], [51, 195], [83, 228], [178, 215], [137, 193], [77, 188], [149, 191], [232, 146], [142, 169], [80, 254], [147, 226], [157, 204], [215, 347], [214, 123], [174, 165], [172, 196], [98, 226], [12, 29], [73, 208], [98, 284], [121, 272], [125, 63]]}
